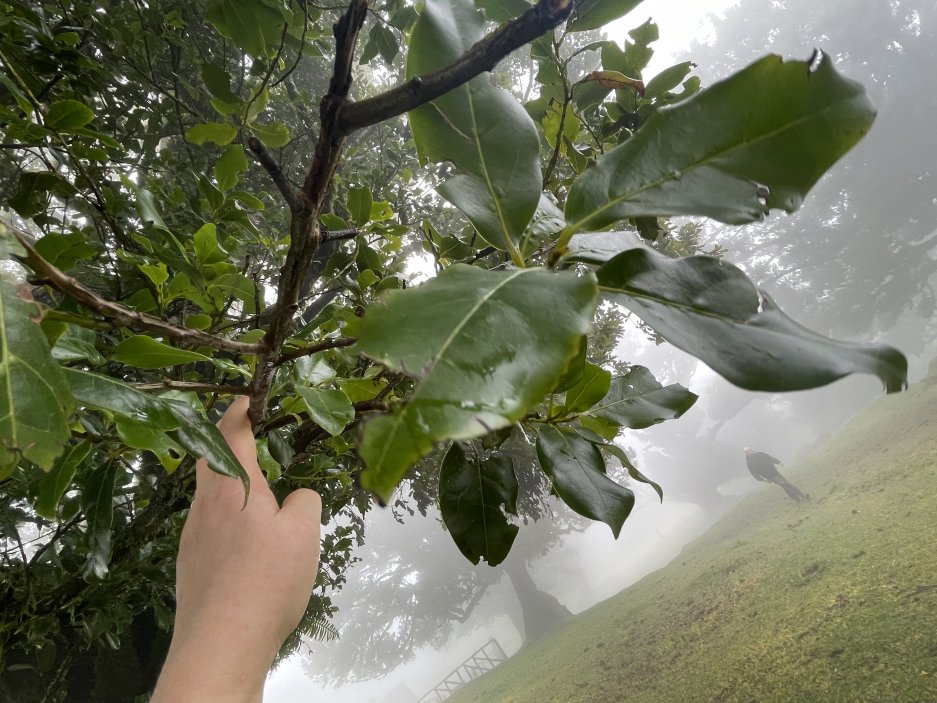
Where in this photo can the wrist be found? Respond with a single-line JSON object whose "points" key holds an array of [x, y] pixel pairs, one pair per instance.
{"points": [[230, 670]]}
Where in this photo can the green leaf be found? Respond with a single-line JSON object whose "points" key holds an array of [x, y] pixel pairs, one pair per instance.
{"points": [[274, 135], [270, 466], [474, 495], [216, 132], [480, 128], [589, 390], [205, 243], [65, 250], [229, 167], [52, 486], [218, 82], [146, 353], [502, 10], [68, 349], [485, 347], [755, 141], [141, 436], [380, 41], [35, 402], [667, 80], [626, 464], [254, 26], [202, 439], [234, 285], [147, 209], [577, 469], [330, 409], [106, 393], [637, 400], [66, 115], [359, 205], [592, 14], [710, 309], [33, 191], [97, 502]]}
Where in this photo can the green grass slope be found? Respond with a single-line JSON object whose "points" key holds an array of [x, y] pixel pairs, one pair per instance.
{"points": [[831, 600]]}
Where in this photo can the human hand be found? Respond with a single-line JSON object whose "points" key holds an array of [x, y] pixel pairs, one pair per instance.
{"points": [[243, 578]]}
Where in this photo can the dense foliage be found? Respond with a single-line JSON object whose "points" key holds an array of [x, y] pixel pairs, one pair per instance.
{"points": [[188, 227]]}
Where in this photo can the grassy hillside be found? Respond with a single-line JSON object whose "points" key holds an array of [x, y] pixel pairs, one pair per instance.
{"points": [[831, 600]]}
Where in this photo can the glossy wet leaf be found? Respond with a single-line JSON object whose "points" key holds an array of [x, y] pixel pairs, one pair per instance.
{"points": [[35, 401], [50, 488], [359, 205], [211, 132], [66, 115], [147, 353], [638, 400], [229, 167], [273, 134], [254, 26], [577, 470], [628, 466], [668, 79], [142, 436], [329, 408], [479, 127], [592, 14], [710, 309], [106, 393], [756, 141], [484, 346], [97, 502], [474, 495], [201, 438], [589, 389]]}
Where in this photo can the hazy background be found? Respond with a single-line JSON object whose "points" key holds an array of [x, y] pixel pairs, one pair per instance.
{"points": [[857, 262]]}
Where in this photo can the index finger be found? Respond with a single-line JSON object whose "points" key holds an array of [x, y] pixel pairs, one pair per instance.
{"points": [[235, 427]]}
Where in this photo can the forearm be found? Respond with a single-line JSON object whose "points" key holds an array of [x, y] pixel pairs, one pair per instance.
{"points": [[208, 677], [214, 672]]}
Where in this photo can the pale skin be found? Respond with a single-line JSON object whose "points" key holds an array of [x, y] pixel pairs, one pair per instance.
{"points": [[244, 575]]}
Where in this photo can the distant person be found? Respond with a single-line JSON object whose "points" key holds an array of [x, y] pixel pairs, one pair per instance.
{"points": [[764, 468]]}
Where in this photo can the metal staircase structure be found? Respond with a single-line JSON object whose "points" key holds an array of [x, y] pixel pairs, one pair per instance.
{"points": [[481, 662]]}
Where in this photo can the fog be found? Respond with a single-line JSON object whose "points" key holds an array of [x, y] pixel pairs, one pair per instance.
{"points": [[856, 262]]}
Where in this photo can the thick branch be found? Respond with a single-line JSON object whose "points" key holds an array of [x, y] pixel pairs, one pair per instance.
{"points": [[483, 56], [124, 317], [304, 230], [276, 173]]}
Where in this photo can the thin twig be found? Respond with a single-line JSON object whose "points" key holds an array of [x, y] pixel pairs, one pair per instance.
{"points": [[276, 173], [304, 230], [124, 317], [195, 386], [315, 349]]}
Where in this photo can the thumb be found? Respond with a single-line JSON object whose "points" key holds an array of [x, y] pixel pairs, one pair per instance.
{"points": [[303, 504]]}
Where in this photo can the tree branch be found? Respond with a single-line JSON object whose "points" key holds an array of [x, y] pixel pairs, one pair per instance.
{"points": [[124, 317], [483, 56], [191, 386], [276, 173], [304, 230], [315, 348]]}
